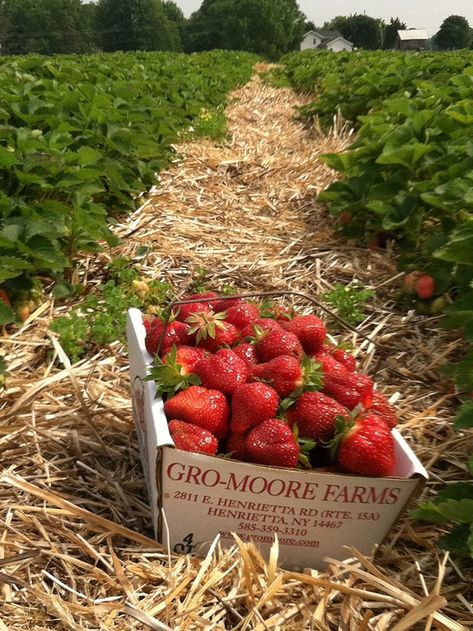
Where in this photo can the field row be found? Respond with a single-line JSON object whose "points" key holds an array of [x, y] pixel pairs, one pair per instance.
{"points": [[81, 137]]}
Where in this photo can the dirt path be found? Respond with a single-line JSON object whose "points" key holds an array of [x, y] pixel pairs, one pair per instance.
{"points": [[240, 212]]}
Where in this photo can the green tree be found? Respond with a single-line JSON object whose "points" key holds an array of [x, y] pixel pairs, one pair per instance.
{"points": [[176, 23], [133, 25], [390, 32], [362, 30], [44, 26], [267, 27], [454, 33]]}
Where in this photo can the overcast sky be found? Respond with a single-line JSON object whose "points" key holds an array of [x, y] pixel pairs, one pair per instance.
{"points": [[422, 14]]}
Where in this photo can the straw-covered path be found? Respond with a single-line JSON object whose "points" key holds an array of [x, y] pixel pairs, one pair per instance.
{"points": [[75, 546]]}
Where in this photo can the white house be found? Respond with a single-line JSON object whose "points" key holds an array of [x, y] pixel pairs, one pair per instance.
{"points": [[328, 40]]}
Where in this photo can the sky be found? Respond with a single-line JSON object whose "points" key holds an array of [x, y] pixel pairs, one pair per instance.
{"points": [[421, 14]]}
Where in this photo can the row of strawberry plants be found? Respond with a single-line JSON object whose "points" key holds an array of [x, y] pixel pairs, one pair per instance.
{"points": [[353, 84], [81, 138], [408, 177]]}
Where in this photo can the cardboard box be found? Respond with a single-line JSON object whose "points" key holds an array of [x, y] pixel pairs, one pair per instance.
{"points": [[314, 513]]}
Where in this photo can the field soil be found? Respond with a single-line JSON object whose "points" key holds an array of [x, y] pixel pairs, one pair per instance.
{"points": [[76, 549]]}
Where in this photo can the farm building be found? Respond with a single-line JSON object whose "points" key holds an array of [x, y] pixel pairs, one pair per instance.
{"points": [[412, 39], [327, 40]]}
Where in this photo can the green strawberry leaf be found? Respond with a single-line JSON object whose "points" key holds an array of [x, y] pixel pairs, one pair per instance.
{"points": [[459, 541], [7, 315], [464, 417]]}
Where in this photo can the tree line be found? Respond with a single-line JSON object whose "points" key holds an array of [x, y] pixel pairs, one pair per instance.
{"points": [[266, 27]]}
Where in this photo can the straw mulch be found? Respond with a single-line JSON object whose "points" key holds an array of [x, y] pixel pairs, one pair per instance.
{"points": [[76, 551]]}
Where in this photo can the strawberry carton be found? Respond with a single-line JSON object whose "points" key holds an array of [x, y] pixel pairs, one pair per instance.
{"points": [[249, 422]]}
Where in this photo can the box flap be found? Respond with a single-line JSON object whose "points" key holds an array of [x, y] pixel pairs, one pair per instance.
{"points": [[407, 464]]}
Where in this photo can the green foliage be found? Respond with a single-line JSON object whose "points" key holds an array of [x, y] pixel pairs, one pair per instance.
{"points": [[46, 27], [362, 30], [100, 318], [390, 32], [80, 137], [266, 27], [410, 173], [349, 302], [454, 33], [135, 25]]}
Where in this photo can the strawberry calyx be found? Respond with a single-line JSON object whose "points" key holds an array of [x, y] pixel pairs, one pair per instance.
{"points": [[271, 310], [205, 325], [343, 428], [258, 335], [169, 375], [306, 445]]}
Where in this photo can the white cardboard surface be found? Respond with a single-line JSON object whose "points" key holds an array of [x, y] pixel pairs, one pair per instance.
{"points": [[315, 514]]}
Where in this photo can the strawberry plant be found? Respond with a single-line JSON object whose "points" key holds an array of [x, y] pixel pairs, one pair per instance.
{"points": [[349, 302], [100, 317], [408, 177], [82, 136]]}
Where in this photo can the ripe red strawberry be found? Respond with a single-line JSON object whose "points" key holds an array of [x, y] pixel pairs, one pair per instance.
{"points": [[367, 448], [224, 371], [425, 286], [309, 329], [200, 406], [187, 357], [176, 334], [211, 331], [226, 303], [344, 218], [277, 312], [176, 370], [5, 298], [252, 403], [242, 314], [283, 373], [265, 324], [381, 406], [272, 443], [236, 446], [206, 306], [348, 388], [248, 354], [342, 356], [315, 415], [193, 438], [277, 342]]}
